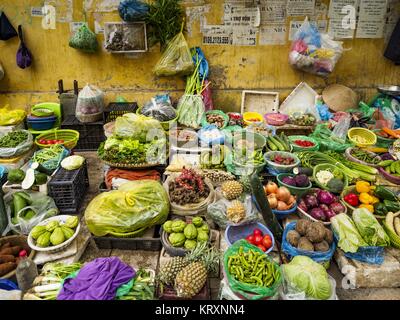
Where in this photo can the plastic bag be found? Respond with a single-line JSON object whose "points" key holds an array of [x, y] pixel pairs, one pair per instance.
{"points": [[314, 52], [132, 10], [190, 110], [340, 130], [54, 163], [138, 127], [176, 59], [84, 39], [129, 211], [7, 31], [327, 141], [198, 55], [217, 212], [41, 204], [159, 108], [90, 102], [18, 150], [24, 56], [211, 135], [250, 292], [11, 117]]}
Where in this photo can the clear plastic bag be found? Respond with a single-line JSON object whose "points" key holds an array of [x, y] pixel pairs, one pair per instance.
{"points": [[340, 130], [217, 212], [90, 104], [176, 59], [18, 150], [138, 127], [159, 108], [10, 117], [314, 52], [42, 205], [84, 39]]}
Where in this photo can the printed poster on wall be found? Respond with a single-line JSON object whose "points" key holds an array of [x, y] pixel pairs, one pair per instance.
{"points": [[337, 31], [237, 15], [370, 29], [372, 16], [244, 36], [272, 34], [300, 7], [272, 11], [217, 35]]}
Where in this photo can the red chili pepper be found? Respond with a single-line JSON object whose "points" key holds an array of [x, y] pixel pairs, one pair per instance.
{"points": [[304, 143], [352, 199]]}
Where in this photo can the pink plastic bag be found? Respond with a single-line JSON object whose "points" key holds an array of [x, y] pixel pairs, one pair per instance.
{"points": [[207, 96]]}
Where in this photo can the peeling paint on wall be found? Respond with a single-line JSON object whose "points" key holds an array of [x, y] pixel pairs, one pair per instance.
{"points": [[195, 14]]}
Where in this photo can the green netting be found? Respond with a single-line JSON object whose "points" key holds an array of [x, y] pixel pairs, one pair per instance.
{"points": [[84, 39]]}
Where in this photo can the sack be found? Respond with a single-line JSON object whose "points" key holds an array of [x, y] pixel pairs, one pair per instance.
{"points": [[327, 141], [7, 31], [24, 56], [11, 117], [250, 292], [84, 39], [314, 52], [176, 59], [132, 10], [1, 72], [90, 102], [18, 150]]}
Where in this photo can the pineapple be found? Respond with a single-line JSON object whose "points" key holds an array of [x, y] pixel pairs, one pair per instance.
{"points": [[170, 269], [236, 212], [231, 189], [190, 280]]}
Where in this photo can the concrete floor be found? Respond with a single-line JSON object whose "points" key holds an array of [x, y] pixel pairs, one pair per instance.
{"points": [[150, 259]]}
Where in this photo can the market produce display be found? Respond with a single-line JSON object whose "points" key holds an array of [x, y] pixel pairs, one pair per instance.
{"points": [[259, 239], [279, 199], [13, 139], [329, 177], [278, 143], [9, 257]]}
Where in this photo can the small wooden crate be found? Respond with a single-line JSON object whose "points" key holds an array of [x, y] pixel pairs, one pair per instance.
{"points": [[260, 101]]}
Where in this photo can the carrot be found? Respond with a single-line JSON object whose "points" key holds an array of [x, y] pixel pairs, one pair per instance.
{"points": [[7, 267], [7, 258], [6, 245], [13, 250], [391, 132]]}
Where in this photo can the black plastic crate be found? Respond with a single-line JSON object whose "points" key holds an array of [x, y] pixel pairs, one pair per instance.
{"points": [[68, 189], [90, 134], [149, 242], [117, 109]]}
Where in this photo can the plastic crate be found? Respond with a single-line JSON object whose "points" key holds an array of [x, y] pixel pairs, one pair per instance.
{"points": [[117, 109], [150, 241], [68, 189], [169, 293], [90, 134]]}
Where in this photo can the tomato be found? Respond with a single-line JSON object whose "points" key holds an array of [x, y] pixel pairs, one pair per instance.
{"points": [[267, 241], [258, 239], [257, 232], [262, 247], [250, 239], [52, 141], [44, 141], [41, 141], [61, 141]]}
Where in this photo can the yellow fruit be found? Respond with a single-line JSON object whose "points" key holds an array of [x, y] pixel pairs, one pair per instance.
{"points": [[231, 189], [236, 212]]}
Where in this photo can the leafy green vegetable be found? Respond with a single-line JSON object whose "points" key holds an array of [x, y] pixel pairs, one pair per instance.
{"points": [[349, 237], [369, 228], [305, 275], [72, 162], [13, 139]]}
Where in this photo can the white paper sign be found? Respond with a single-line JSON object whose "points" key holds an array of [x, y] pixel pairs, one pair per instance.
{"points": [[339, 8], [272, 11], [372, 10], [337, 31], [370, 29], [244, 36], [217, 35], [273, 34], [37, 12], [300, 7], [240, 15]]}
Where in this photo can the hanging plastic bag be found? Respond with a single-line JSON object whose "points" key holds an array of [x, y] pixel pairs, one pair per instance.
{"points": [[84, 39], [90, 104], [24, 56], [1, 72], [176, 59], [190, 110], [314, 52], [132, 10], [24, 146], [7, 31], [198, 55], [11, 117], [41, 206]]}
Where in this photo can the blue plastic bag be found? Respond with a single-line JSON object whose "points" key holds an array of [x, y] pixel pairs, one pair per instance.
{"points": [[198, 54], [207, 140], [132, 10], [291, 251]]}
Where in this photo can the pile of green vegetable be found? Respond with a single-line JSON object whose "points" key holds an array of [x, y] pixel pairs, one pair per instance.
{"points": [[187, 235], [13, 139], [142, 288], [16, 176]]}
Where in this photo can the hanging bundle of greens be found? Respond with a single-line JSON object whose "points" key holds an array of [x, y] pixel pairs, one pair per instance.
{"points": [[84, 39], [164, 19]]}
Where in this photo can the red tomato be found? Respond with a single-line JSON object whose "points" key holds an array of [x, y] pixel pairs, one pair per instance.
{"points": [[257, 232], [258, 239], [262, 247], [250, 239], [267, 241], [44, 141]]}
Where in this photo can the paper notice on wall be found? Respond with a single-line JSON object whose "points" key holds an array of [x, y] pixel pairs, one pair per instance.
{"points": [[238, 15], [338, 30], [370, 29], [64, 9], [393, 15], [295, 26], [272, 34], [217, 35], [37, 12], [372, 10], [272, 11], [194, 14], [342, 8], [321, 10], [244, 36], [300, 7]]}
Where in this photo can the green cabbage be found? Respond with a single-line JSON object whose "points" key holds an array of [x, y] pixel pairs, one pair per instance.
{"points": [[303, 274], [129, 211], [72, 162], [369, 228], [349, 237]]}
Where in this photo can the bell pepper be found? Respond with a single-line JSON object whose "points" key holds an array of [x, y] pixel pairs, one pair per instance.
{"points": [[385, 194], [374, 199], [365, 198], [369, 207], [380, 209], [352, 199], [363, 186], [392, 206]]}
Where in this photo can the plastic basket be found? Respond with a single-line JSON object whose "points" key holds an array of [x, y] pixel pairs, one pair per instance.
{"points": [[327, 166], [68, 189], [349, 156], [235, 233], [270, 118], [296, 191], [70, 138], [118, 109], [282, 214], [204, 122], [259, 140], [280, 168], [297, 148], [252, 115], [368, 135]]}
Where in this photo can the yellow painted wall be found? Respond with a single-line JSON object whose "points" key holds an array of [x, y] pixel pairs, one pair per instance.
{"points": [[233, 68]]}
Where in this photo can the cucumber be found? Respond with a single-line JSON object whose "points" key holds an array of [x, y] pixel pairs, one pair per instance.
{"points": [[276, 142], [393, 167], [271, 145], [397, 166], [385, 163]]}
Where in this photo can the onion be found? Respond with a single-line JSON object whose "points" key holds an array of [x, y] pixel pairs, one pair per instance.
{"points": [[271, 187], [292, 200], [273, 201], [282, 206], [283, 194]]}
